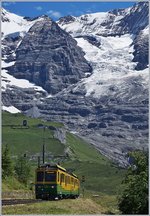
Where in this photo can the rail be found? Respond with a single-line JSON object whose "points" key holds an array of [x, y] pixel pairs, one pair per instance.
{"points": [[19, 201]]}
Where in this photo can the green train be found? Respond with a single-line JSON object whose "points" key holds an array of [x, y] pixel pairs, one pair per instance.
{"points": [[54, 182]]}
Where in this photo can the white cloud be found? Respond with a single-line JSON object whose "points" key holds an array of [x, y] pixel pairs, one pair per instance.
{"points": [[39, 8], [54, 14], [89, 11]]}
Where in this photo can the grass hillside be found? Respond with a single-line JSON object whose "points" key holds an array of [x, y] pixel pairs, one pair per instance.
{"points": [[101, 176], [87, 206], [28, 140]]}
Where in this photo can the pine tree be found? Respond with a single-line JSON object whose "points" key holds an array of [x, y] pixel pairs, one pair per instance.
{"points": [[22, 169], [7, 167]]}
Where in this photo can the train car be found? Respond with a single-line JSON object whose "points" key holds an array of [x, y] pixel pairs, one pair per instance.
{"points": [[53, 181]]}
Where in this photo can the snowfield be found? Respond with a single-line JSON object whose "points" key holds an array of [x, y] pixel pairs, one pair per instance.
{"points": [[112, 64], [8, 80], [89, 23], [111, 59], [15, 25]]}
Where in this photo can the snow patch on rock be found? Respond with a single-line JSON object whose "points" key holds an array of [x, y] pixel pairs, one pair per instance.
{"points": [[11, 109], [8, 80]]}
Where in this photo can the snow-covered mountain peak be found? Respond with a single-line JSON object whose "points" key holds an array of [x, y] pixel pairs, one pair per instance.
{"points": [[15, 25], [10, 16], [115, 22], [86, 24], [119, 12], [66, 19]]}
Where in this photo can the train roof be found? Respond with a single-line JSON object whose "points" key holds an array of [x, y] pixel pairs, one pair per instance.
{"points": [[56, 166]]}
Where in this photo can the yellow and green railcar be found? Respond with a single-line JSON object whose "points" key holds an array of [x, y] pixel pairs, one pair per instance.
{"points": [[55, 182]]}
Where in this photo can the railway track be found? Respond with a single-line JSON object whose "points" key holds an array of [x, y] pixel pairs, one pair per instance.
{"points": [[19, 201]]}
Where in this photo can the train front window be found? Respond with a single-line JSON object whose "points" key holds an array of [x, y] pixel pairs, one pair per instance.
{"points": [[40, 176], [50, 176]]}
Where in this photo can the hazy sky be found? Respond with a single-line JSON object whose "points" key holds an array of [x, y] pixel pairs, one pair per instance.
{"points": [[58, 9]]}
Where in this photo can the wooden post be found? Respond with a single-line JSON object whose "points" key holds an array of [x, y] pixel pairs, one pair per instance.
{"points": [[43, 153], [38, 161], [43, 144], [83, 181]]}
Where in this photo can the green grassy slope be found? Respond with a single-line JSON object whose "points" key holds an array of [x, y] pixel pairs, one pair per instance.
{"points": [[28, 140], [100, 174], [78, 206]]}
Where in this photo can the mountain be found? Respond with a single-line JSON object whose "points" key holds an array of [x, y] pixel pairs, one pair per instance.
{"points": [[14, 28], [114, 23], [91, 73], [59, 63]]}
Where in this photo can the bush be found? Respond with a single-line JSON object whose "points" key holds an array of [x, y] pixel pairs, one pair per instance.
{"points": [[134, 199]]}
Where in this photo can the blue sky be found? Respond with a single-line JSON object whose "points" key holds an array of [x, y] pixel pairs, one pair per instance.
{"points": [[58, 9]]}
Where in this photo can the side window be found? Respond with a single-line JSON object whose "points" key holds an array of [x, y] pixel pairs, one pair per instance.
{"points": [[71, 180], [58, 176], [61, 178], [68, 179], [40, 176]]}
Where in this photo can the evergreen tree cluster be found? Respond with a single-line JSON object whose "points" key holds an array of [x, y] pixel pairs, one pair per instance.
{"points": [[7, 167], [21, 168]]}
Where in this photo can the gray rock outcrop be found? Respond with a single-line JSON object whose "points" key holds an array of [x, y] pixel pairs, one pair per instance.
{"points": [[60, 134], [48, 56]]}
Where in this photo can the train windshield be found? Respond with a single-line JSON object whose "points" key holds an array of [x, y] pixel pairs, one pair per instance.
{"points": [[40, 176], [50, 176]]}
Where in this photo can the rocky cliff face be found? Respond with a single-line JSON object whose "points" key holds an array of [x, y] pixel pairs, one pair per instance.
{"points": [[134, 19], [49, 57], [96, 74], [141, 51]]}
